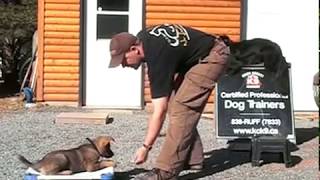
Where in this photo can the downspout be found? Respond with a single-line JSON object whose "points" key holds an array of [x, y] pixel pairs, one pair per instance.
{"points": [[40, 28], [243, 19], [82, 73]]}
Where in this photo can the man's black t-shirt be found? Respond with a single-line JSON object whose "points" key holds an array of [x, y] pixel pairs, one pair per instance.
{"points": [[171, 49]]}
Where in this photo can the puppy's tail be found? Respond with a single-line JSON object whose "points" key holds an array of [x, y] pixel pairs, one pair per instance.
{"points": [[24, 160]]}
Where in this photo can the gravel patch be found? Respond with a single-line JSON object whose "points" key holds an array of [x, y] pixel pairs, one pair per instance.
{"points": [[32, 133]]}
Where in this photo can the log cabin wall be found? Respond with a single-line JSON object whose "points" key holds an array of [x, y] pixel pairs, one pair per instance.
{"points": [[59, 42], [212, 16]]}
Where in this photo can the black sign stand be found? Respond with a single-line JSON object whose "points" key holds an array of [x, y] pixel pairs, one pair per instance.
{"points": [[270, 144], [255, 104]]}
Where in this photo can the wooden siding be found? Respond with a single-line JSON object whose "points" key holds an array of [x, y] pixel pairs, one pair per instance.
{"points": [[212, 16], [59, 22]]}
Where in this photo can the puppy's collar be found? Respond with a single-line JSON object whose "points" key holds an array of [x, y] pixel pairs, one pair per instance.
{"points": [[95, 147]]}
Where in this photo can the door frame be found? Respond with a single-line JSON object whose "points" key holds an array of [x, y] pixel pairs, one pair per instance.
{"points": [[83, 53]]}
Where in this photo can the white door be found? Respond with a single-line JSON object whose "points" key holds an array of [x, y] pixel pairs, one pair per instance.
{"points": [[117, 87]]}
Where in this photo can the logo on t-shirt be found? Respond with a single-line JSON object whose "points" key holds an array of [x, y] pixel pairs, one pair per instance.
{"points": [[174, 34]]}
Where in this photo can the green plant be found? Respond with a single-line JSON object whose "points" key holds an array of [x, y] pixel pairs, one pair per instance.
{"points": [[17, 25]]}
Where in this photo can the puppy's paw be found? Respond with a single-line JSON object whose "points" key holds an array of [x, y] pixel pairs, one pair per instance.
{"points": [[107, 163], [66, 172]]}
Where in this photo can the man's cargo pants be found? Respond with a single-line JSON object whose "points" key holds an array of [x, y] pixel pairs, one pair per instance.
{"points": [[182, 142]]}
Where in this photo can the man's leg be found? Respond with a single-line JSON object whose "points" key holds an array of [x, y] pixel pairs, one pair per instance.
{"points": [[179, 139], [185, 111], [196, 153], [218, 55], [196, 156]]}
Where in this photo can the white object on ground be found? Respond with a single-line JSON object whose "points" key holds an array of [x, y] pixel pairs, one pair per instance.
{"points": [[79, 176], [30, 105]]}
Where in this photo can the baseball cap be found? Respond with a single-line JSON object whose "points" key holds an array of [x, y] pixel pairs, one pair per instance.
{"points": [[119, 45]]}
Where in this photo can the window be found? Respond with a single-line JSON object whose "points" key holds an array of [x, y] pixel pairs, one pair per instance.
{"points": [[113, 5], [112, 17]]}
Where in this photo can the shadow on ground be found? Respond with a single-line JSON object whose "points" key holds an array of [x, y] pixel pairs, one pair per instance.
{"points": [[223, 159], [306, 134], [129, 174]]}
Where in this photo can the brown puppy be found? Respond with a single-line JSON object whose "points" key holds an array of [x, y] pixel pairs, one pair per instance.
{"points": [[83, 158]]}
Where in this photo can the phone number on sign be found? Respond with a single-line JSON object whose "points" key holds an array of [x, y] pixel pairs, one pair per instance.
{"points": [[256, 121]]}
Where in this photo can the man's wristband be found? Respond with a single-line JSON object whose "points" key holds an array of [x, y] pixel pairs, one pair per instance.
{"points": [[148, 147]]}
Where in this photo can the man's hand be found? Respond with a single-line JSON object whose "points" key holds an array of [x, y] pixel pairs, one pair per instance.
{"points": [[141, 155]]}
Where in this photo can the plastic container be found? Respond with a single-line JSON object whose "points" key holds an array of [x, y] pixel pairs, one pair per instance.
{"points": [[107, 176], [28, 94], [30, 177]]}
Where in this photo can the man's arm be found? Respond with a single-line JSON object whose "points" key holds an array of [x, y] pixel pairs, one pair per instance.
{"points": [[160, 106], [155, 123]]}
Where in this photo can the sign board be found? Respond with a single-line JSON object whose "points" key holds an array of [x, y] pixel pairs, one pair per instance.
{"points": [[252, 102]]}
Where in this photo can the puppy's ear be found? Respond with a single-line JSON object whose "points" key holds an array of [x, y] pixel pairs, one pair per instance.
{"points": [[111, 139]]}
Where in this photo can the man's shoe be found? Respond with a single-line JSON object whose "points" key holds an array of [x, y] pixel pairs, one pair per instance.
{"points": [[157, 174], [194, 167]]}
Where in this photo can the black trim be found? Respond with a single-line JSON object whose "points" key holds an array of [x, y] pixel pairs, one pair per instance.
{"points": [[83, 51], [143, 67], [243, 19], [144, 13]]}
